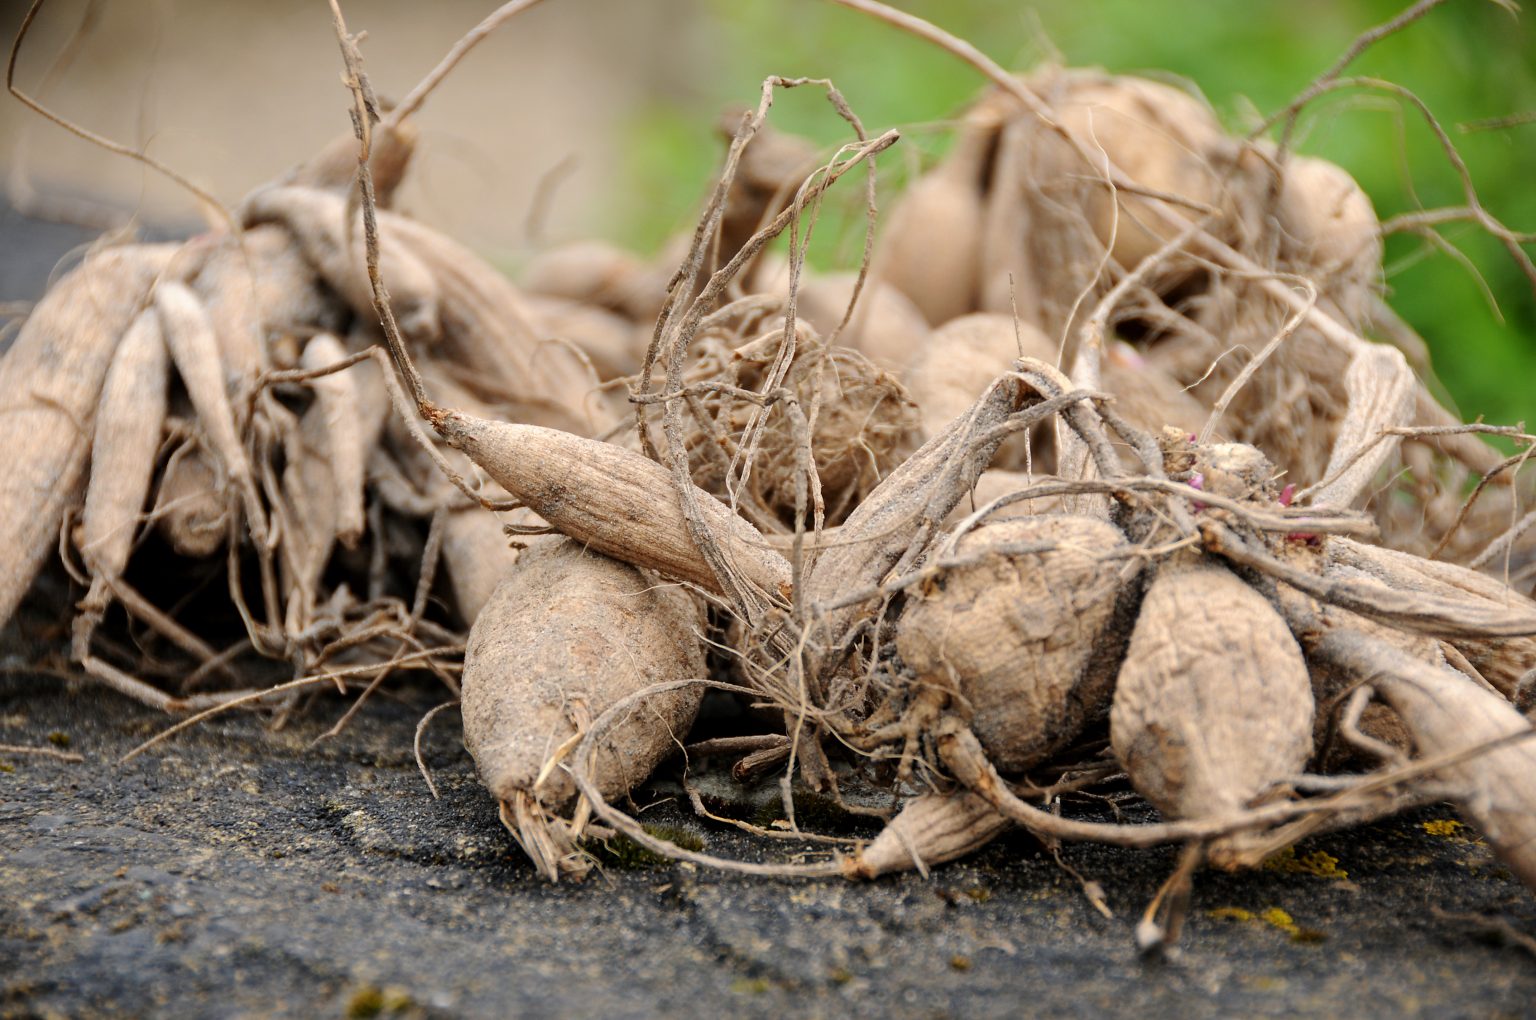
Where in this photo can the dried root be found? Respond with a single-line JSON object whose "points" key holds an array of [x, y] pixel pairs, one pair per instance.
{"points": [[1058, 488]]}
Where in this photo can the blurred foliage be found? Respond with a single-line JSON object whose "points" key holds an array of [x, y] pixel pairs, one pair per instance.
{"points": [[1469, 60]]}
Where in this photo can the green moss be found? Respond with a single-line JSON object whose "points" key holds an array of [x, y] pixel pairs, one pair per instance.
{"points": [[750, 986], [367, 1001], [677, 834], [625, 854], [1230, 914], [813, 812], [58, 739]]}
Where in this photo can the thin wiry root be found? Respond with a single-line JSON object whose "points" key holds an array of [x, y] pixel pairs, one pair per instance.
{"points": [[252, 697]]}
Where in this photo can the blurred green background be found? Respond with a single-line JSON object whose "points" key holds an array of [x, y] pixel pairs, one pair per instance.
{"points": [[1470, 60]]}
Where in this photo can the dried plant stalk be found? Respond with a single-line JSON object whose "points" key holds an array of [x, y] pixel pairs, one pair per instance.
{"points": [[1502, 661]]}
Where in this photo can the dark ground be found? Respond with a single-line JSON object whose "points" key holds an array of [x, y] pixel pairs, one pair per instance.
{"points": [[236, 871]]}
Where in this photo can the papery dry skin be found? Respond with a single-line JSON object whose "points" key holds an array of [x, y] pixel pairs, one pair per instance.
{"points": [[190, 506], [348, 432], [600, 273], [931, 248], [930, 829], [1447, 712], [195, 351], [50, 382], [255, 283], [1213, 707], [586, 272], [317, 221], [129, 422], [614, 500], [1380, 389], [569, 634], [1159, 136], [1021, 640], [1055, 217], [961, 359], [490, 330], [1008, 277], [1502, 661]]}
